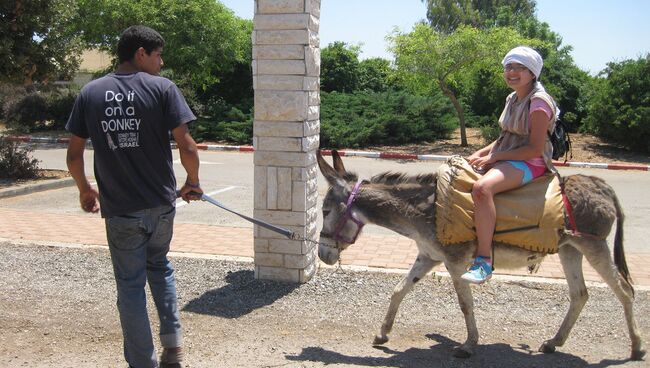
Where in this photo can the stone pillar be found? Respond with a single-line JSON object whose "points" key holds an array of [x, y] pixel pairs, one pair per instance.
{"points": [[286, 79]]}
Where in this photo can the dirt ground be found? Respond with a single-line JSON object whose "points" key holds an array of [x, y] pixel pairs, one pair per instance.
{"points": [[585, 148], [58, 310]]}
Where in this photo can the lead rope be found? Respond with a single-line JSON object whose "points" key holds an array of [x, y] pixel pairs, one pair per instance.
{"points": [[280, 230]]}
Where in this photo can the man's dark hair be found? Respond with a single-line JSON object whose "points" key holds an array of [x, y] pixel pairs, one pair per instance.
{"points": [[135, 37]]}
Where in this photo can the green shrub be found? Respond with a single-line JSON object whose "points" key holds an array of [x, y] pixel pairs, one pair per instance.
{"points": [[368, 118], [619, 107], [490, 133], [223, 122], [15, 162], [25, 113], [59, 106], [30, 109]]}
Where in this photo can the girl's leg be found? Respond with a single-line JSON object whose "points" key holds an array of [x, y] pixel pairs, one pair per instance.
{"points": [[500, 178]]}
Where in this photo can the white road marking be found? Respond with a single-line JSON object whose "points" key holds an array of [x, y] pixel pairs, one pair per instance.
{"points": [[181, 203]]}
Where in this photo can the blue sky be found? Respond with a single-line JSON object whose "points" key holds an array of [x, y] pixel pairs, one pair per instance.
{"points": [[600, 31]]}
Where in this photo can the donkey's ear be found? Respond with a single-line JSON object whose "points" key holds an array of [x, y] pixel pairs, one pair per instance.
{"points": [[328, 172], [338, 164]]}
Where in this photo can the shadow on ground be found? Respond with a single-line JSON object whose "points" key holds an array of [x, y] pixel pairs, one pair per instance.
{"points": [[440, 355], [241, 296]]}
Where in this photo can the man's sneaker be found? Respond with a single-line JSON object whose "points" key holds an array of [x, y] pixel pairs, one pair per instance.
{"points": [[171, 358], [480, 272]]}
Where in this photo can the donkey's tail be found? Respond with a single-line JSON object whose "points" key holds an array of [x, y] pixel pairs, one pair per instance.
{"points": [[619, 251]]}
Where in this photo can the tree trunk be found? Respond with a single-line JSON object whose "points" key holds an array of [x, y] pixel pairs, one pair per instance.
{"points": [[459, 111]]}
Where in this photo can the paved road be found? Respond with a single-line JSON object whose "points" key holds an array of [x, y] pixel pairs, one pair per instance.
{"points": [[229, 175]]}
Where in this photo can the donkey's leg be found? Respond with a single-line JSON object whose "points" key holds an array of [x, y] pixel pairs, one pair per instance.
{"points": [[598, 255], [421, 266], [571, 260], [466, 302]]}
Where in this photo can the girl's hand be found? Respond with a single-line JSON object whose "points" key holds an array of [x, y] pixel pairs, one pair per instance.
{"points": [[484, 163]]}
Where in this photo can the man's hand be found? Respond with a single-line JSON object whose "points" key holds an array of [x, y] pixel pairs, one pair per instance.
{"points": [[88, 200], [191, 192]]}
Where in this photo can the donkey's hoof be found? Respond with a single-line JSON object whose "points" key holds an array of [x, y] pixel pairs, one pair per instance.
{"points": [[380, 340], [547, 348], [638, 354], [460, 352]]}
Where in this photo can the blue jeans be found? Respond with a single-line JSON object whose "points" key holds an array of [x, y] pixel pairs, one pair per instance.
{"points": [[139, 242]]}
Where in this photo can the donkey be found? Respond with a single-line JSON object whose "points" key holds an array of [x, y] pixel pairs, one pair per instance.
{"points": [[405, 204]]}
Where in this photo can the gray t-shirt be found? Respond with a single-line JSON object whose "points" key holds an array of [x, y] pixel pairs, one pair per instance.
{"points": [[128, 118]]}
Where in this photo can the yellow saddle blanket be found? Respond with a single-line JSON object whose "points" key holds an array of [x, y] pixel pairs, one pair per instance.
{"points": [[530, 217]]}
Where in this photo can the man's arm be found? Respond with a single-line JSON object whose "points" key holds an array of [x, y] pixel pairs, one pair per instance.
{"points": [[75, 160], [190, 161]]}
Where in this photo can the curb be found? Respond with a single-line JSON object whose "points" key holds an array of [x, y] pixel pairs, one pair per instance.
{"points": [[380, 155], [27, 189], [505, 278]]}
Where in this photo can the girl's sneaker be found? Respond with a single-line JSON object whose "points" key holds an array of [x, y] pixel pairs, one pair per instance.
{"points": [[479, 272]]}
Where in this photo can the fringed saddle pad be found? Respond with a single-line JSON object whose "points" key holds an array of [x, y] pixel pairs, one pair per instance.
{"points": [[529, 217]]}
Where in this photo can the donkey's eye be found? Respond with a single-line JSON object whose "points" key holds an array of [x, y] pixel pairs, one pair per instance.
{"points": [[325, 213]]}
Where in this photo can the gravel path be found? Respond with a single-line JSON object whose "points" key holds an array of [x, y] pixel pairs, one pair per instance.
{"points": [[58, 310]]}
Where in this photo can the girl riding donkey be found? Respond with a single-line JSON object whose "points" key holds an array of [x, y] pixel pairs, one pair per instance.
{"points": [[520, 154]]}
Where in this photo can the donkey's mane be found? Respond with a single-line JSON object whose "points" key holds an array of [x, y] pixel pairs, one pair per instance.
{"points": [[395, 178]]}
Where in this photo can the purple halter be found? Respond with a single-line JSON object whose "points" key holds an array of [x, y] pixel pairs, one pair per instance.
{"points": [[347, 216]]}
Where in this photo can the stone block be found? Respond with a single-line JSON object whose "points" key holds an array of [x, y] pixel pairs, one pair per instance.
{"points": [[271, 188], [308, 272], [311, 215], [279, 144], [311, 127], [282, 218], [314, 39], [303, 198], [298, 261], [310, 84], [279, 52], [281, 6], [279, 82], [304, 173], [259, 178], [269, 259], [281, 105], [281, 67], [314, 23], [286, 246], [278, 274], [313, 7], [285, 159], [314, 98], [283, 21], [313, 112], [277, 129], [261, 245], [285, 37], [310, 143], [312, 60], [284, 188], [312, 184]]}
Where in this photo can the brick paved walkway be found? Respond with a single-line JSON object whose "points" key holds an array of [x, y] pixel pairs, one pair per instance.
{"points": [[393, 252]]}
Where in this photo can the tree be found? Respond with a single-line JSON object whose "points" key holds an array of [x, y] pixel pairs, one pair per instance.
{"points": [[340, 67], [205, 42], [446, 16], [35, 45], [562, 78], [427, 59], [375, 75]]}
